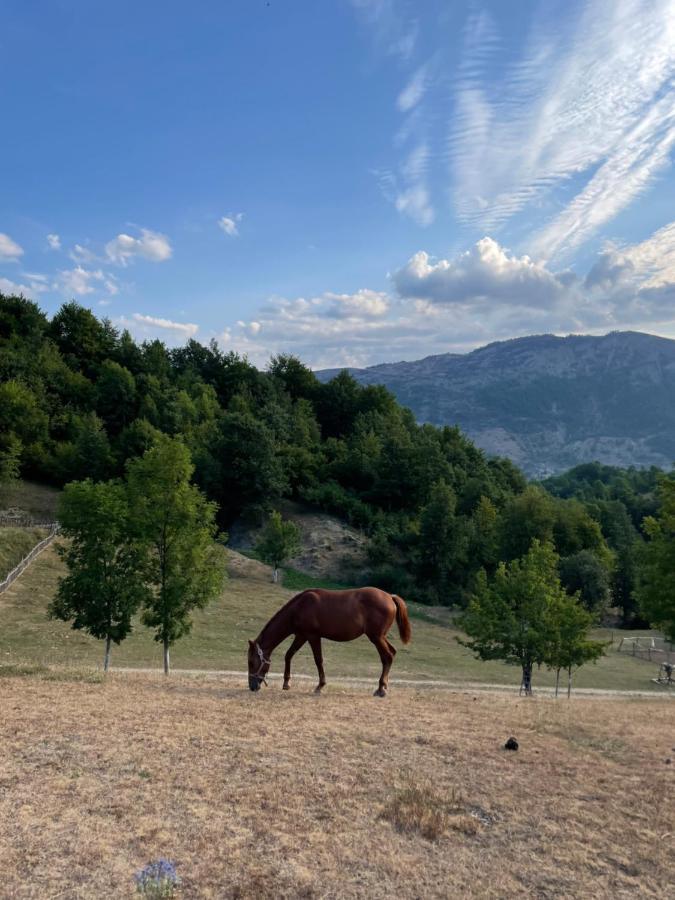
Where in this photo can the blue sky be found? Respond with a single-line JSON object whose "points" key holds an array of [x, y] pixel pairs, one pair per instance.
{"points": [[354, 181]]}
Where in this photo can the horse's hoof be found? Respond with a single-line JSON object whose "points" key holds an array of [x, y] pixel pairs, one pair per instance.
{"points": [[286, 687], [318, 689], [380, 692]]}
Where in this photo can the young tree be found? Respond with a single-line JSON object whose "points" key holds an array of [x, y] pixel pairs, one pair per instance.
{"points": [[656, 590], [442, 544], [104, 586], [278, 541], [176, 524], [507, 617], [567, 645]]}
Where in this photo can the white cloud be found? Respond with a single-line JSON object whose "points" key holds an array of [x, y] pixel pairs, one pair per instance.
{"points": [[485, 273], [150, 245], [80, 254], [152, 323], [363, 304], [230, 224], [9, 249], [54, 241], [591, 100], [413, 92], [29, 290], [394, 31], [481, 295], [79, 281]]}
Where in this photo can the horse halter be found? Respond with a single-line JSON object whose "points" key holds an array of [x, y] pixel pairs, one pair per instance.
{"points": [[263, 662]]}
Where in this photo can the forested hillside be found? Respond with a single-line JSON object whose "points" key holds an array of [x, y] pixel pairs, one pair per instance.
{"points": [[79, 399]]}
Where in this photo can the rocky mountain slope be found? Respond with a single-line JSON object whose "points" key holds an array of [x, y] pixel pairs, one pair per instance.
{"points": [[548, 402]]}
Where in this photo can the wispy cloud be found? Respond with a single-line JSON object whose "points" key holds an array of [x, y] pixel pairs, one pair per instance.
{"points": [[54, 241], [589, 99], [230, 224], [150, 326], [10, 251], [395, 31]]}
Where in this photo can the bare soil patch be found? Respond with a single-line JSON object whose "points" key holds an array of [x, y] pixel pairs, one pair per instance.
{"points": [[340, 796]]}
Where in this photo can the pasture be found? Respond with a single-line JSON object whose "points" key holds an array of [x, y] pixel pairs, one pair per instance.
{"points": [[219, 638], [338, 796]]}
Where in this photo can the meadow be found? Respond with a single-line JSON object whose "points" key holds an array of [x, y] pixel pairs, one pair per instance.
{"points": [[291, 795], [219, 637]]}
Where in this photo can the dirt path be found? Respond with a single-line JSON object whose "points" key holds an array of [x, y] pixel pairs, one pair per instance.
{"points": [[462, 686]]}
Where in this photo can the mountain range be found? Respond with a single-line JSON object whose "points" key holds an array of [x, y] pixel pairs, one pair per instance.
{"points": [[547, 402]]}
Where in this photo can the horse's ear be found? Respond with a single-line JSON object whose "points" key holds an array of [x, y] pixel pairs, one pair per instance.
{"points": [[251, 644]]}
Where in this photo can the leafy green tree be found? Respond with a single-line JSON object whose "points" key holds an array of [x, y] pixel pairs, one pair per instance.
{"points": [[278, 542], [656, 589], [442, 544], [526, 517], [176, 524], [84, 340], [10, 458], [115, 396], [567, 645], [585, 573], [507, 617], [105, 582]]}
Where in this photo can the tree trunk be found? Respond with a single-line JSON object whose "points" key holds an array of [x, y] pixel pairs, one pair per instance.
{"points": [[557, 680], [166, 656], [526, 683], [569, 682], [275, 575], [106, 659]]}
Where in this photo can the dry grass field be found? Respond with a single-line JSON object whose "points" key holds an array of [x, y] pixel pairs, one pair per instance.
{"points": [[292, 795]]}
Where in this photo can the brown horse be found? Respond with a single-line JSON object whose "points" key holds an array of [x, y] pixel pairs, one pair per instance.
{"points": [[337, 616]]}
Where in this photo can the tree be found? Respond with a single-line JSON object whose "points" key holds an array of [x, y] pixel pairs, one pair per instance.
{"points": [[656, 588], [278, 541], [583, 572], [507, 616], [567, 645], [104, 586], [176, 525], [442, 544]]}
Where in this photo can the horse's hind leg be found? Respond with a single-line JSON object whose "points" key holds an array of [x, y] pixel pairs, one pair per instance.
{"points": [[298, 641], [387, 653], [315, 644]]}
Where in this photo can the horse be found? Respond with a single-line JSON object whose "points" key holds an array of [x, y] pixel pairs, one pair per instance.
{"points": [[337, 616]]}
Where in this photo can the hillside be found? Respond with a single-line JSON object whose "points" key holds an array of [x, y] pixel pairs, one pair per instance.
{"points": [[29, 639], [548, 403]]}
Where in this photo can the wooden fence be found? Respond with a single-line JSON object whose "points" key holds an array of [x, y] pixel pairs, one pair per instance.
{"points": [[27, 560]]}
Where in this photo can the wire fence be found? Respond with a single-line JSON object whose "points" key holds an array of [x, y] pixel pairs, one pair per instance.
{"points": [[647, 647], [27, 560]]}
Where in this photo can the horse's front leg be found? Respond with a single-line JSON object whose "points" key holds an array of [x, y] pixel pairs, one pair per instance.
{"points": [[315, 644], [298, 641], [387, 652]]}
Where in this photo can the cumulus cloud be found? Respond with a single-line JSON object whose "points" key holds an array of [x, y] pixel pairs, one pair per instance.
{"points": [[230, 224], [485, 273], [150, 245], [9, 250], [81, 281], [453, 305], [54, 241], [34, 285]]}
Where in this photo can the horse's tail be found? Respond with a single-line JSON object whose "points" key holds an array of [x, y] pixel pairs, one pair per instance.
{"points": [[402, 619]]}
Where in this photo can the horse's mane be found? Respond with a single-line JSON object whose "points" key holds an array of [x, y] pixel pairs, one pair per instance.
{"points": [[277, 615]]}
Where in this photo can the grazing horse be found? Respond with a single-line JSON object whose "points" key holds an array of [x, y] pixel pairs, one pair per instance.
{"points": [[336, 616]]}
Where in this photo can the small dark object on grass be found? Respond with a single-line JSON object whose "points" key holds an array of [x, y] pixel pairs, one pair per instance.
{"points": [[511, 744], [668, 761]]}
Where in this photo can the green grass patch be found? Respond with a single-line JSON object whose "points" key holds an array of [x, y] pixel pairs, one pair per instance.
{"points": [[15, 543], [297, 581], [219, 636]]}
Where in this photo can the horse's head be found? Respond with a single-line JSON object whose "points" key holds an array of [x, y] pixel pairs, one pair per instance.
{"points": [[258, 666]]}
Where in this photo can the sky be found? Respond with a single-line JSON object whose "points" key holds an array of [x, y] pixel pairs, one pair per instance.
{"points": [[350, 181]]}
